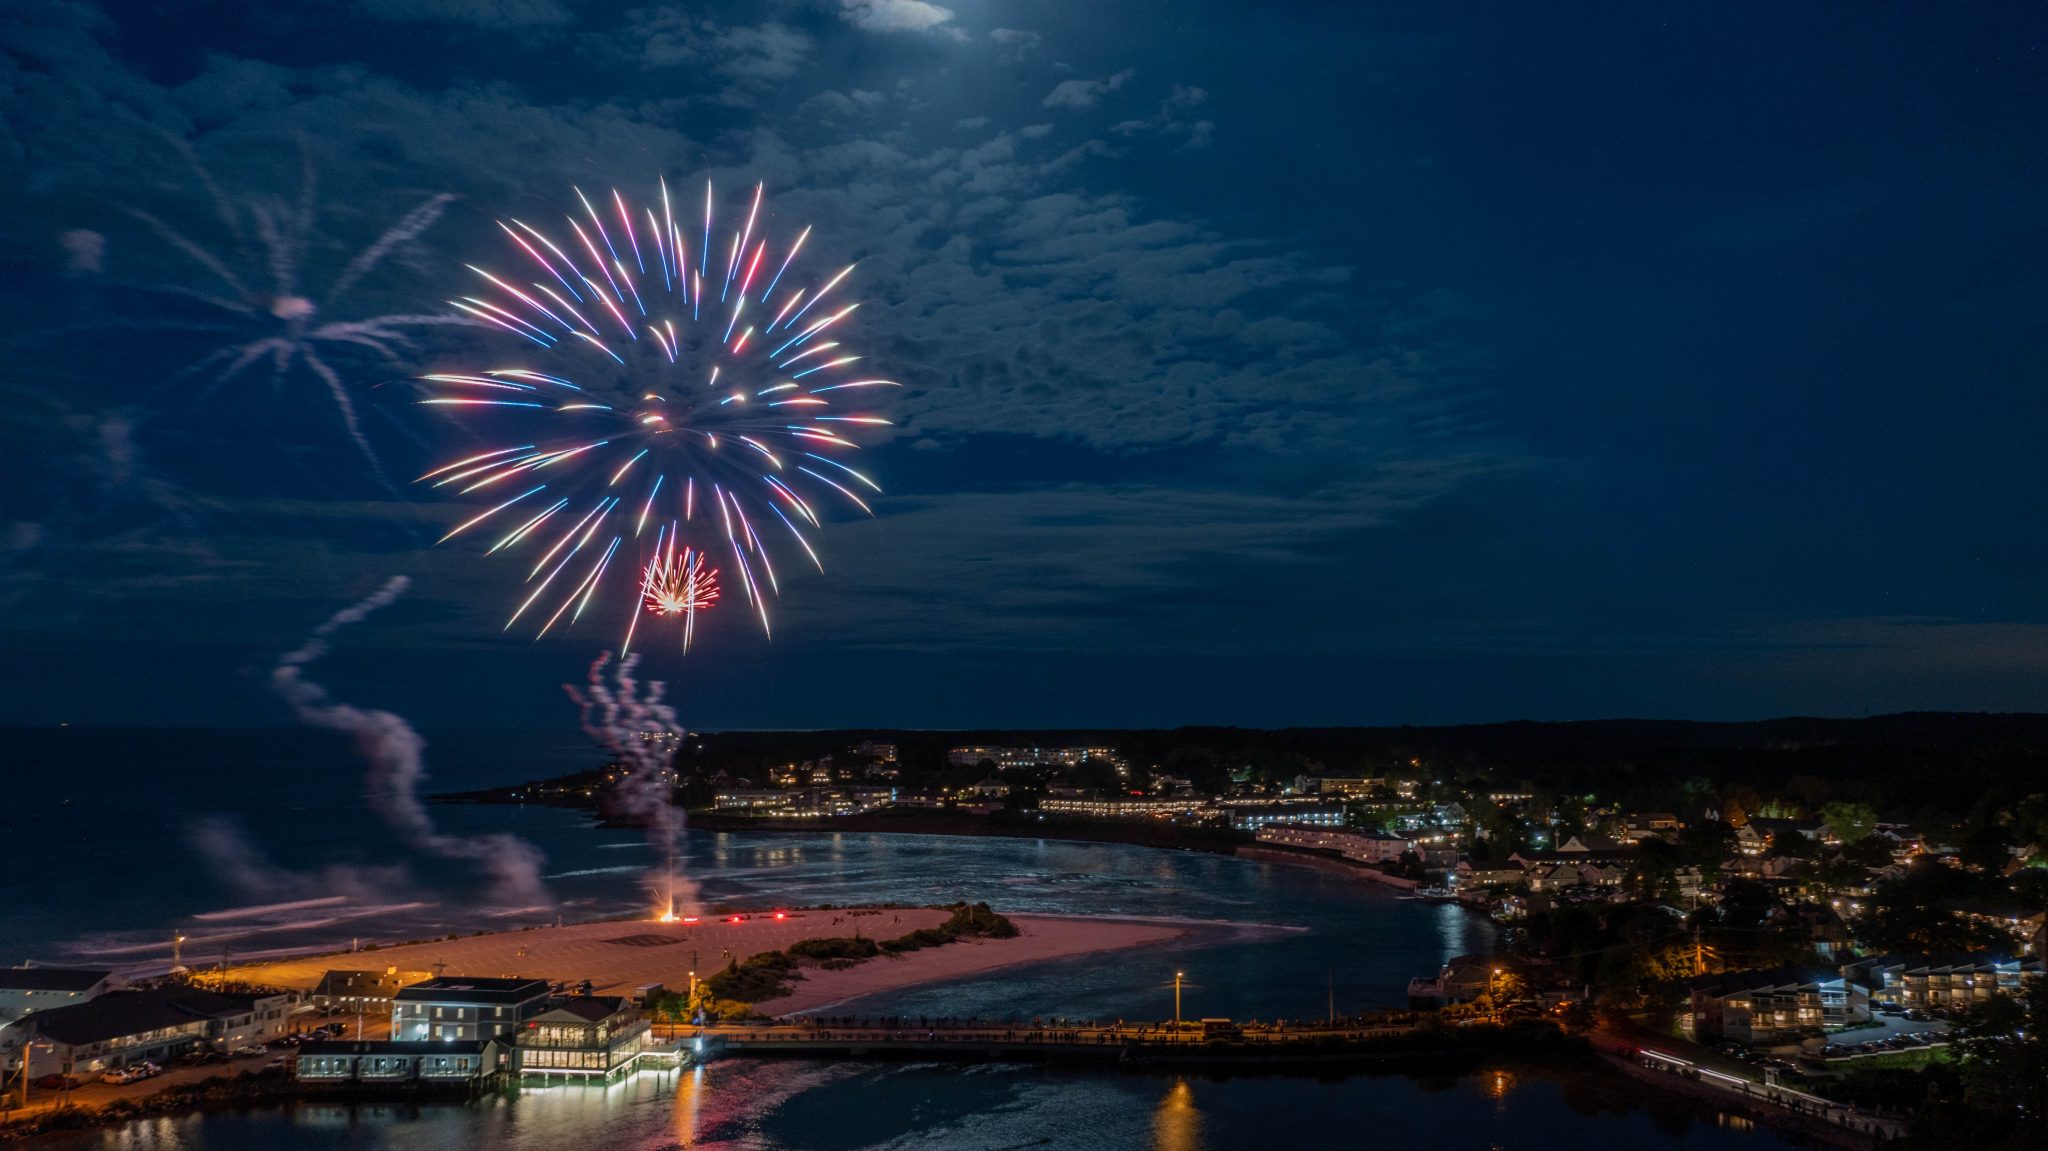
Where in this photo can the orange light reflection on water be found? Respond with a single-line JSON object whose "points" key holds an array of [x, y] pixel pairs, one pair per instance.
{"points": [[1177, 1124]]}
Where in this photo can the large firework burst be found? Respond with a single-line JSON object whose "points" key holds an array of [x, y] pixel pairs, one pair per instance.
{"points": [[667, 395]]}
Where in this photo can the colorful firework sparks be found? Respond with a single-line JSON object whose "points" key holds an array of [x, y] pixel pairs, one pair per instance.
{"points": [[675, 585], [675, 390], [255, 287]]}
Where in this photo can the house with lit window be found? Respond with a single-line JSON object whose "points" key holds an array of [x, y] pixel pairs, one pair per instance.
{"points": [[26, 989], [461, 1009], [1775, 1005], [593, 1037], [369, 992]]}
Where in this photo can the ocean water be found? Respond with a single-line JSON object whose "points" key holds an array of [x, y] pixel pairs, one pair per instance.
{"points": [[110, 875], [778, 1106]]}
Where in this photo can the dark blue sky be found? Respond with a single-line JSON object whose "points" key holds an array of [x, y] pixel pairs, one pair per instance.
{"points": [[1345, 363]]}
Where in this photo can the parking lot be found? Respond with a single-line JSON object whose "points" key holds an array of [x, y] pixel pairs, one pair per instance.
{"points": [[1892, 1035]]}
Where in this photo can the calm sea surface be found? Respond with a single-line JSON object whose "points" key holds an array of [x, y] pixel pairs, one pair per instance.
{"points": [[135, 856]]}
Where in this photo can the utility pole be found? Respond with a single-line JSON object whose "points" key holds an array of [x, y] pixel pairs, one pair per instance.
{"points": [[1176, 1001]]}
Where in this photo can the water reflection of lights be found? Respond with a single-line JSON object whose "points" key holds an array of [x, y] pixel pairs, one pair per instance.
{"points": [[1498, 1083], [689, 1099], [1177, 1125]]}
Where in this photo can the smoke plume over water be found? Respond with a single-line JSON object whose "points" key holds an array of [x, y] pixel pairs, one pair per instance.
{"points": [[642, 733]]}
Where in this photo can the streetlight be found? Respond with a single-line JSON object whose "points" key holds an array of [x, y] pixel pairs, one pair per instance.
{"points": [[1176, 1001]]}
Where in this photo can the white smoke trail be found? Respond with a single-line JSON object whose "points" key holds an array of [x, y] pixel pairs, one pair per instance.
{"points": [[397, 765], [642, 732]]}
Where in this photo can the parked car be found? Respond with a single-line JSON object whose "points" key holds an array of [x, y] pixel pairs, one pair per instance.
{"points": [[122, 1075], [251, 1049], [58, 1082]]}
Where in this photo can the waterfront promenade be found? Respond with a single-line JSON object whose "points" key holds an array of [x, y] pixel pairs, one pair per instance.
{"points": [[1040, 1039], [1812, 1115]]}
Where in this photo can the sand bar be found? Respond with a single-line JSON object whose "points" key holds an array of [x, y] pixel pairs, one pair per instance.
{"points": [[620, 956]]}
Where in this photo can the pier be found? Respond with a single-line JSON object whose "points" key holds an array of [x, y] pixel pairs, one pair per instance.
{"points": [[1211, 1041]]}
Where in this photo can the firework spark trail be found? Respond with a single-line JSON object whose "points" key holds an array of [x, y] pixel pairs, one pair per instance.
{"points": [[642, 732], [255, 290], [397, 765], [658, 381]]}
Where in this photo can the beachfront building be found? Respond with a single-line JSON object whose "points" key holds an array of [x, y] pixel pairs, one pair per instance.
{"points": [[1470, 876], [1774, 1006], [594, 1037], [1125, 807], [362, 992], [803, 802], [123, 1027], [398, 1061], [1253, 816], [461, 1009], [1360, 844], [26, 989]]}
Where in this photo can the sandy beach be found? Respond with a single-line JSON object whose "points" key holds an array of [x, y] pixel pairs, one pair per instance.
{"points": [[619, 957]]}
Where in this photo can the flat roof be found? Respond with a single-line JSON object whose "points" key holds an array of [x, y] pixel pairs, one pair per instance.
{"points": [[464, 989]]}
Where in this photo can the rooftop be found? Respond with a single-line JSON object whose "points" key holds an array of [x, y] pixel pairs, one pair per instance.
{"points": [[465, 989], [1733, 982], [120, 1013], [589, 1008], [50, 978]]}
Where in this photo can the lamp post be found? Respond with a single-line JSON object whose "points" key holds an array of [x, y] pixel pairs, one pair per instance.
{"points": [[1176, 1001]]}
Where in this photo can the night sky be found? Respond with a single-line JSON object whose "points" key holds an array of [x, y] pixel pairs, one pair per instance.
{"points": [[1265, 364]]}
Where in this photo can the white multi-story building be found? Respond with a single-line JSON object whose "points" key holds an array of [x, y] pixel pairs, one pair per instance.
{"points": [[1124, 807], [1008, 758], [460, 1008], [1253, 816], [1363, 845]]}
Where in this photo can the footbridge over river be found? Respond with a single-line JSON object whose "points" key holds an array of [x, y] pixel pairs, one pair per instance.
{"points": [[1211, 1041]]}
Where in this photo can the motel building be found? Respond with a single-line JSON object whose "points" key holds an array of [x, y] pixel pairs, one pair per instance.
{"points": [[120, 1028], [1251, 816], [1774, 1006]]}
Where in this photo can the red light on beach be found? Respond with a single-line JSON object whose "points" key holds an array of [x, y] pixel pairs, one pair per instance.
{"points": [[780, 915], [734, 919]]}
